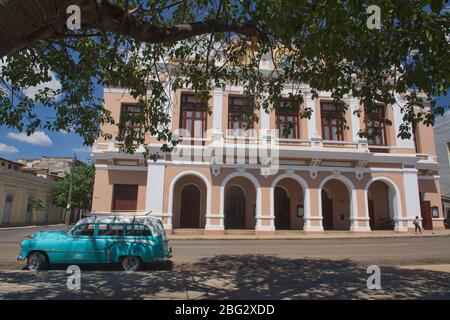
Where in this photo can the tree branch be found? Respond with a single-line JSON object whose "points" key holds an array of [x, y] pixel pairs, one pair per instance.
{"points": [[46, 20]]}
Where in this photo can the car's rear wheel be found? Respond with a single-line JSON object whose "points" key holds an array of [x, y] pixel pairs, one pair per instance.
{"points": [[131, 263], [36, 261]]}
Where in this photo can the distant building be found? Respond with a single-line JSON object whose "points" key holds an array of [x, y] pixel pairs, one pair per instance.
{"points": [[18, 187], [442, 134], [53, 166]]}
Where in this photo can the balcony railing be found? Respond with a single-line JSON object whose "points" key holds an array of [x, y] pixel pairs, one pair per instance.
{"points": [[242, 140], [340, 144], [294, 142]]}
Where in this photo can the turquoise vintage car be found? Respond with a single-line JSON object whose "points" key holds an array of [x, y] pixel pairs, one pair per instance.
{"points": [[129, 241]]}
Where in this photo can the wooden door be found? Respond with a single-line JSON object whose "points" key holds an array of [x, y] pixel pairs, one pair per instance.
{"points": [[425, 208], [327, 212], [282, 210], [371, 215], [235, 208], [190, 207]]}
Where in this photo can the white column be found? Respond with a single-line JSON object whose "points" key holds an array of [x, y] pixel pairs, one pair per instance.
{"points": [[412, 201], [265, 123], [398, 119], [155, 191], [172, 96], [311, 122], [260, 217], [358, 224], [217, 114], [307, 218], [355, 119]]}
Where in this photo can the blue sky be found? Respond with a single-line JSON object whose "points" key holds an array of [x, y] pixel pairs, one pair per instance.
{"points": [[14, 145]]}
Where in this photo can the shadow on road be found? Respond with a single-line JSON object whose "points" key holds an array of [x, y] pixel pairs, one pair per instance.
{"points": [[233, 277]]}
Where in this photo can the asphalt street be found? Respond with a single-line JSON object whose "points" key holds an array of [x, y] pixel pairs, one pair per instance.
{"points": [[413, 267]]}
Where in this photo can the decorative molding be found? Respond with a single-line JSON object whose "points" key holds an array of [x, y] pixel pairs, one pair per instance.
{"points": [[314, 167], [336, 173], [289, 171], [215, 170], [241, 169]]}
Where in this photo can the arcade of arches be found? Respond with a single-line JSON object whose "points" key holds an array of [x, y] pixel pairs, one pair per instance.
{"points": [[289, 210]]}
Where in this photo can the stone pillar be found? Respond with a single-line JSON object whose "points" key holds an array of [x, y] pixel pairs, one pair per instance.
{"points": [[359, 215], [154, 198], [265, 222], [355, 120], [412, 201], [313, 218], [215, 219], [309, 102], [218, 131]]}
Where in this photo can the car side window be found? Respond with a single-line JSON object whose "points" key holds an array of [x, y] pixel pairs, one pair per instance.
{"points": [[110, 230], [84, 230], [138, 230]]}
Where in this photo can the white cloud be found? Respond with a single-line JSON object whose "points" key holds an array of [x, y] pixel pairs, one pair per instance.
{"points": [[38, 138], [4, 148], [30, 92], [83, 149], [54, 84]]}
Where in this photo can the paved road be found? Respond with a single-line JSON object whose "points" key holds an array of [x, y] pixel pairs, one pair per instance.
{"points": [[280, 269]]}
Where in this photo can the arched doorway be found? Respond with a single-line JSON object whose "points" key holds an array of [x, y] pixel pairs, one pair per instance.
{"points": [[282, 209], [380, 206], [235, 208], [335, 205], [190, 207], [189, 196]]}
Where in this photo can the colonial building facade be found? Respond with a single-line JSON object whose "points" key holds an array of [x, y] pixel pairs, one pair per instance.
{"points": [[224, 176], [18, 188]]}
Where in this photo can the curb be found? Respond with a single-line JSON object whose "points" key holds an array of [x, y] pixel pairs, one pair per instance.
{"points": [[33, 226], [305, 238]]}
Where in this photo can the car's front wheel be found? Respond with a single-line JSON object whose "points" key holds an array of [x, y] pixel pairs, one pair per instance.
{"points": [[131, 263], [36, 261]]}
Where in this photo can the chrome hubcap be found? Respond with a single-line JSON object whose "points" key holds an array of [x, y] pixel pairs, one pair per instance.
{"points": [[131, 263], [33, 262]]}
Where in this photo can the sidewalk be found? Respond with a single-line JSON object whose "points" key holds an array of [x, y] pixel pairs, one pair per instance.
{"points": [[294, 234], [62, 225]]}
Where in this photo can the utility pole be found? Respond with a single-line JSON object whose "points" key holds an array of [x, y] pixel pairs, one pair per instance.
{"points": [[69, 204]]}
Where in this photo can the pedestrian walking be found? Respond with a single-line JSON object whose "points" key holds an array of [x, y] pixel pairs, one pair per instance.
{"points": [[417, 225]]}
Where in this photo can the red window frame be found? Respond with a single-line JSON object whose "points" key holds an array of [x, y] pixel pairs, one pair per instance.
{"points": [[414, 133], [192, 110], [135, 112], [236, 110], [375, 119], [286, 117], [328, 125]]}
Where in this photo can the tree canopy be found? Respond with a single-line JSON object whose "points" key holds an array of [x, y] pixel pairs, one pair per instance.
{"points": [[202, 44], [82, 187]]}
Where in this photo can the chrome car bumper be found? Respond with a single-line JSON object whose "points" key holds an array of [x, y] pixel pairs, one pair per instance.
{"points": [[21, 257]]}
